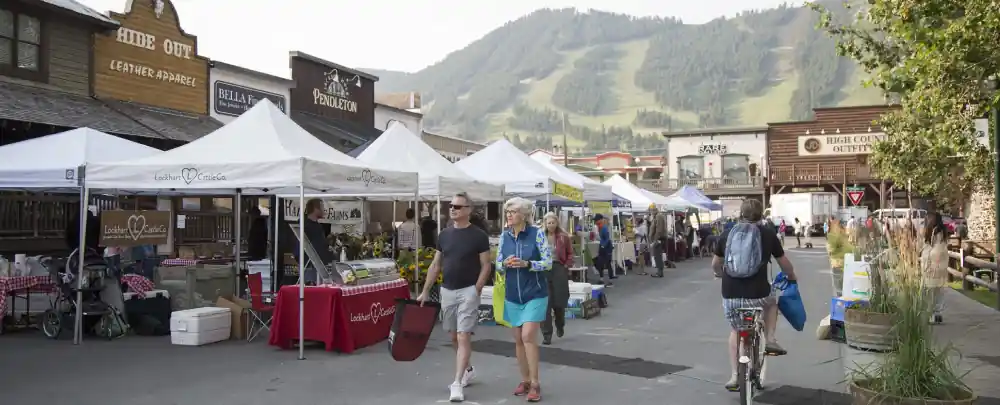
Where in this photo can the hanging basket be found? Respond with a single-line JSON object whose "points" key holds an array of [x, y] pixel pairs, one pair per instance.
{"points": [[864, 396]]}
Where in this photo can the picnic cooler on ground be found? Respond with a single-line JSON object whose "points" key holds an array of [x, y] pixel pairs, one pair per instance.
{"points": [[411, 328], [200, 326]]}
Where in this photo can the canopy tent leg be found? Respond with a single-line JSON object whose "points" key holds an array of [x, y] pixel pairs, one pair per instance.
{"points": [[81, 252], [238, 211], [438, 214], [395, 236], [302, 270], [275, 279]]}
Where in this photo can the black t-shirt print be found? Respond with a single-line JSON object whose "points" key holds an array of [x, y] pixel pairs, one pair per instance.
{"points": [[460, 249], [758, 286]]}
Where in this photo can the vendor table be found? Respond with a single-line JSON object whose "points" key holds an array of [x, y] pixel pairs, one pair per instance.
{"points": [[624, 251], [344, 318], [12, 286]]}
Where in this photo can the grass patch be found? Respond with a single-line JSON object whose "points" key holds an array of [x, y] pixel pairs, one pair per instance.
{"points": [[855, 93], [772, 106], [979, 294]]}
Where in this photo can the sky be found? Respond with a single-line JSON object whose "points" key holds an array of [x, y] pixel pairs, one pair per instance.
{"points": [[405, 35]]}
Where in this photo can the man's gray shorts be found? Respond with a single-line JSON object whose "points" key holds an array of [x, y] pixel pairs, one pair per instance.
{"points": [[461, 309]]}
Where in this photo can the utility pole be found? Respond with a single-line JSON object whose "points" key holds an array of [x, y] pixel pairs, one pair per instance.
{"points": [[565, 142], [996, 183]]}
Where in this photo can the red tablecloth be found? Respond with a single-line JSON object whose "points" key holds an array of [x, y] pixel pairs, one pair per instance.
{"points": [[44, 284], [343, 318]]}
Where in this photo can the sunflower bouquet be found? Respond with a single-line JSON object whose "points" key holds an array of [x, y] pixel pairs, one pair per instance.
{"points": [[413, 265]]}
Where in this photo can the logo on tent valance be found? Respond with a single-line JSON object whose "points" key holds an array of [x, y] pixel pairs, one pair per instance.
{"points": [[189, 175], [368, 177]]}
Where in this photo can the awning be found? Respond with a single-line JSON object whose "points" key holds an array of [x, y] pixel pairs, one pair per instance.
{"points": [[341, 134], [52, 107], [170, 124]]}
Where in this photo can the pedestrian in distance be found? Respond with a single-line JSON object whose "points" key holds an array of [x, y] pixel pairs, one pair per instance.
{"points": [[562, 250], [524, 257], [464, 258], [657, 237]]}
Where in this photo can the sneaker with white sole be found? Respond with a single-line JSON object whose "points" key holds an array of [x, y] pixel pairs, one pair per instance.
{"points": [[468, 376], [456, 393]]}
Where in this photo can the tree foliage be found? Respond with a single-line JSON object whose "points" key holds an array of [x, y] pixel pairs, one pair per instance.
{"points": [[935, 56], [588, 89]]}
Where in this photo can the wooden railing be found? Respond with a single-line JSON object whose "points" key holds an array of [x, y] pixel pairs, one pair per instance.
{"points": [[36, 223], [709, 185], [819, 174]]}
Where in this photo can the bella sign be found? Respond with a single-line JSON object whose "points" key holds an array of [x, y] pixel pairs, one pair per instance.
{"points": [[825, 145], [134, 228]]}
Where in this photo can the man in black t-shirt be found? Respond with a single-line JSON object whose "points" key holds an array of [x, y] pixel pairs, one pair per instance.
{"points": [[753, 291], [464, 257]]}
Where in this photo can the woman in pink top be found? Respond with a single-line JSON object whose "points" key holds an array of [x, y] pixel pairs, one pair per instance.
{"points": [[562, 253]]}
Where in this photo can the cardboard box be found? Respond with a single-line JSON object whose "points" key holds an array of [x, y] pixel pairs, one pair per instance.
{"points": [[240, 311]]}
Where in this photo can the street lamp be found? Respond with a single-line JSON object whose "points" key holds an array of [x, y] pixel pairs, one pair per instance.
{"points": [[992, 83]]}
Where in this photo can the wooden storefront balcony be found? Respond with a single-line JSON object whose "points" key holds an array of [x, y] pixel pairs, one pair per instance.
{"points": [[710, 186], [819, 174]]}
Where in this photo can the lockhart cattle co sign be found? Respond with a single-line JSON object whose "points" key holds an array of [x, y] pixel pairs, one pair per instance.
{"points": [[150, 60], [839, 144]]}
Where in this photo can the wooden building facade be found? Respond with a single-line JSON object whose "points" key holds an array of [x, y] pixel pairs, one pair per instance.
{"points": [[828, 153]]}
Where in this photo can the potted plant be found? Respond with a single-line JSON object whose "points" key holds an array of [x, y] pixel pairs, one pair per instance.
{"points": [[413, 267], [837, 245], [918, 372], [869, 326]]}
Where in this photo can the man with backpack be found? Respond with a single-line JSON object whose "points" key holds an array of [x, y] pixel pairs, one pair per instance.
{"points": [[742, 255]]}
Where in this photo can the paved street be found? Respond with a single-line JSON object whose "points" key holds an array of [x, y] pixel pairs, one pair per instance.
{"points": [[675, 321]]}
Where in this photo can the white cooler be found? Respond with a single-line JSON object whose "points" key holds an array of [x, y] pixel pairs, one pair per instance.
{"points": [[580, 288], [200, 326]]}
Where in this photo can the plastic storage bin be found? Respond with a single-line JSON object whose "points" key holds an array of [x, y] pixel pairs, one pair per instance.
{"points": [[200, 326]]}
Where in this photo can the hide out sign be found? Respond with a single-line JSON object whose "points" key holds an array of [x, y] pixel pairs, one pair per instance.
{"points": [[134, 228], [344, 216]]}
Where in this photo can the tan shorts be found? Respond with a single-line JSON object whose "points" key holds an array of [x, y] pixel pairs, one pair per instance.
{"points": [[461, 309]]}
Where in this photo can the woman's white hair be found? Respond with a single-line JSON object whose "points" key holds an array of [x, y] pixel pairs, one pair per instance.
{"points": [[524, 206]]}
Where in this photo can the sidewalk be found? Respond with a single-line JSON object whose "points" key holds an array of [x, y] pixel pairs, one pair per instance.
{"points": [[974, 330]]}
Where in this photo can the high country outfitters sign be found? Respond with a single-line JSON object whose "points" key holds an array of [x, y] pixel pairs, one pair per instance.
{"points": [[827, 145]]}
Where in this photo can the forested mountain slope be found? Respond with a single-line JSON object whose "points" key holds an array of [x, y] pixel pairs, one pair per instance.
{"points": [[617, 76]]}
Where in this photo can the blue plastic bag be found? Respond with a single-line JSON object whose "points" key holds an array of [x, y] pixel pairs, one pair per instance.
{"points": [[790, 302]]}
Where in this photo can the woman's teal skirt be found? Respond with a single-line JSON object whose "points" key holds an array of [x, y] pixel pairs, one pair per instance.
{"points": [[519, 314]]}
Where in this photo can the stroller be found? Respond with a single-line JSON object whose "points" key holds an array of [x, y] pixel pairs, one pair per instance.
{"points": [[103, 303]]}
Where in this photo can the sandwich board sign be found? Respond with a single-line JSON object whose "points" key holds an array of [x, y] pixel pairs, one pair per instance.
{"points": [[855, 194]]}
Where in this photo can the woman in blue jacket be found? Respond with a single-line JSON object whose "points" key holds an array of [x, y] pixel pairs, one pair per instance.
{"points": [[523, 257]]}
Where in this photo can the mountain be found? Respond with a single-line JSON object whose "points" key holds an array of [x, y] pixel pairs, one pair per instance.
{"points": [[620, 78]]}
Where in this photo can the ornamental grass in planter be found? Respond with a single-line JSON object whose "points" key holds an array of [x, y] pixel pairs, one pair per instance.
{"points": [[837, 245], [917, 371], [869, 327]]}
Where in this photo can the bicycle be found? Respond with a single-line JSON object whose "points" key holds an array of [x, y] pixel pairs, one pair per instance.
{"points": [[751, 348]]}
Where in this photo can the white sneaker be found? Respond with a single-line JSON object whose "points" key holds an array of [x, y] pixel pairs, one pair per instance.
{"points": [[468, 376], [456, 393]]}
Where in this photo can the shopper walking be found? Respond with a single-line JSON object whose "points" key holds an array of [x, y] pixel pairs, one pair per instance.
{"points": [[562, 250], [934, 261], [605, 250], [464, 257], [524, 256], [657, 237]]}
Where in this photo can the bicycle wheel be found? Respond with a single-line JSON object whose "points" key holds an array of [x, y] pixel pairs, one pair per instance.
{"points": [[760, 360], [744, 372]]}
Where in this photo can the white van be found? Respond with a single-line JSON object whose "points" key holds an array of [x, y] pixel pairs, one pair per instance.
{"points": [[900, 215]]}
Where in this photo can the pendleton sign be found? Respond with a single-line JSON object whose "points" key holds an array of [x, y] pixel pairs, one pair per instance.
{"points": [[329, 90], [838, 144], [150, 60]]}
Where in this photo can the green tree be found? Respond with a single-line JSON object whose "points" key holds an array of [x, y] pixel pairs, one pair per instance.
{"points": [[934, 55]]}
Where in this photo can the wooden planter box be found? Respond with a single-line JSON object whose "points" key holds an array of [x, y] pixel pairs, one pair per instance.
{"points": [[869, 330], [864, 396]]}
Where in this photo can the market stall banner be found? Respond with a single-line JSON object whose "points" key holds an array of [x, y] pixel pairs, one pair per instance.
{"points": [[134, 228], [343, 216], [600, 207], [567, 192]]}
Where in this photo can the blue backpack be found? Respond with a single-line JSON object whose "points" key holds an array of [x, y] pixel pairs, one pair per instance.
{"points": [[742, 258]]}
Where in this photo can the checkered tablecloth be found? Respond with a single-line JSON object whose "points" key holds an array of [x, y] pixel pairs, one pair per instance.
{"points": [[362, 289], [44, 285]]}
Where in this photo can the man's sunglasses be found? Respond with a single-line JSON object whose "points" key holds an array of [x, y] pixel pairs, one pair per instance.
{"points": [[457, 207]]}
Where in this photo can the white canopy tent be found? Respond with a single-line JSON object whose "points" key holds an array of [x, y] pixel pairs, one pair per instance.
{"points": [[641, 199], [261, 152], [52, 162], [502, 163], [592, 190], [399, 149]]}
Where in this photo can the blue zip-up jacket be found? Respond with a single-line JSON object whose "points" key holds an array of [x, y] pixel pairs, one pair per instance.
{"points": [[525, 284], [605, 237]]}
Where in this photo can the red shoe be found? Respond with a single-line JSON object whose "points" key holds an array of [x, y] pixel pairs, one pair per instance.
{"points": [[522, 389], [534, 394]]}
